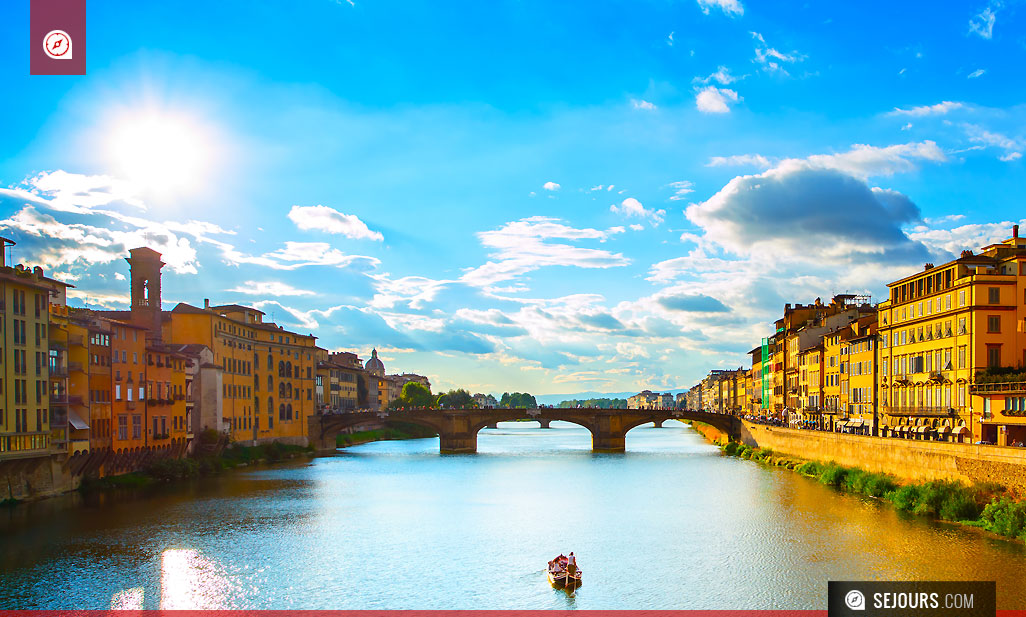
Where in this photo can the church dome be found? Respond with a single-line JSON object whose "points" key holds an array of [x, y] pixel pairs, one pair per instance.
{"points": [[374, 366]]}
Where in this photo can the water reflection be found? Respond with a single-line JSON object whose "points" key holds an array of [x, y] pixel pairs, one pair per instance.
{"points": [[394, 525]]}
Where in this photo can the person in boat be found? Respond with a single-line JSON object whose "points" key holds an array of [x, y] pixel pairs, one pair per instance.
{"points": [[571, 565]]}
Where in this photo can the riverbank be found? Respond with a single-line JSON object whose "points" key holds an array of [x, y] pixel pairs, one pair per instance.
{"points": [[395, 431], [987, 506], [170, 470]]}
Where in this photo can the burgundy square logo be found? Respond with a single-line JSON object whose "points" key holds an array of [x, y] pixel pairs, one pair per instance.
{"points": [[57, 37]]}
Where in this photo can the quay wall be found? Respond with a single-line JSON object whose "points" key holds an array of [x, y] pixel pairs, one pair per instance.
{"points": [[904, 458]]}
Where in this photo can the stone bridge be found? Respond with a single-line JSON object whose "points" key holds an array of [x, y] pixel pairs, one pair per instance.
{"points": [[457, 428]]}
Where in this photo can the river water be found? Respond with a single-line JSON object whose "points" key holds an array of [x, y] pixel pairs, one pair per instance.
{"points": [[394, 525]]}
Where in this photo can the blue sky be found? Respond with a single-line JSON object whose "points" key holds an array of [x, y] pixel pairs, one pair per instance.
{"points": [[533, 196]]}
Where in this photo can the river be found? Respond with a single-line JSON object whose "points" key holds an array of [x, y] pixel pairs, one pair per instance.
{"points": [[394, 525]]}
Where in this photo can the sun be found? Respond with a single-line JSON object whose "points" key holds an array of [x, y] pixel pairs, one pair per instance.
{"points": [[161, 153]]}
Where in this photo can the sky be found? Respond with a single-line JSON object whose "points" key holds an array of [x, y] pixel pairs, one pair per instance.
{"points": [[551, 197]]}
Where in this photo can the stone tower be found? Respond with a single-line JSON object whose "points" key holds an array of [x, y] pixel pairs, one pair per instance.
{"points": [[145, 267]]}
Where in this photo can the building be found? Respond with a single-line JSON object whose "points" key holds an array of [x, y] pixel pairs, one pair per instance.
{"points": [[485, 401], [947, 336], [266, 372], [29, 425], [860, 413], [338, 377], [646, 399]]}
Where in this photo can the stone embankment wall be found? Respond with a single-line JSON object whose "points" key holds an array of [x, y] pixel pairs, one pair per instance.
{"points": [[907, 459], [711, 433], [35, 478]]}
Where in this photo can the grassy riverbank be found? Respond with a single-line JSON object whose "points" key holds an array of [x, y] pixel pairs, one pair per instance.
{"points": [[396, 430], [171, 469], [985, 506]]}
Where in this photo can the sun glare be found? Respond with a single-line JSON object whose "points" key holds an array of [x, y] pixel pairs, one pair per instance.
{"points": [[161, 154]]}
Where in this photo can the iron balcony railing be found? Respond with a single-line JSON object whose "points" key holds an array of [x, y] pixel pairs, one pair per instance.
{"points": [[918, 411], [1005, 387]]}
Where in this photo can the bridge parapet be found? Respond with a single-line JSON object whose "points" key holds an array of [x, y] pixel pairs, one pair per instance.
{"points": [[458, 428]]}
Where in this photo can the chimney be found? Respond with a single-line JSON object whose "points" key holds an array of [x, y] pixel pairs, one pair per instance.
{"points": [[206, 303], [1015, 232], [927, 266]]}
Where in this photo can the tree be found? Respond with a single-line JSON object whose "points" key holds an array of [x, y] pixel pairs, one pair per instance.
{"points": [[456, 399], [416, 394], [517, 400]]}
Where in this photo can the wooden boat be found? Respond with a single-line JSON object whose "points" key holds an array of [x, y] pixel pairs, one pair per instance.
{"points": [[560, 577]]}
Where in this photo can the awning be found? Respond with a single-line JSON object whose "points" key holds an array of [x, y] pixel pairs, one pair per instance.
{"points": [[962, 430], [944, 430], [76, 420], [856, 423]]}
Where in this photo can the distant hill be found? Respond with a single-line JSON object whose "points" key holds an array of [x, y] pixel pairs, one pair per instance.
{"points": [[555, 399]]}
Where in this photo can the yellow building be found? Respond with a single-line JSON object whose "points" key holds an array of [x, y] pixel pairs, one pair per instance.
{"points": [[860, 411], [810, 388], [833, 367], [338, 376], [25, 409], [945, 333], [267, 374]]}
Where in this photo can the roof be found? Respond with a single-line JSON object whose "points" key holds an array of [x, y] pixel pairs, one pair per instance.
{"points": [[237, 307]]}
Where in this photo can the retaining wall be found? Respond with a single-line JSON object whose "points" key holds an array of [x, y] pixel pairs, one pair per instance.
{"points": [[907, 459]]}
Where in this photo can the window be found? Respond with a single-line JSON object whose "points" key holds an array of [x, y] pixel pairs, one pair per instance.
{"points": [[994, 323], [961, 356], [122, 427], [994, 295], [136, 427], [961, 298], [993, 356]]}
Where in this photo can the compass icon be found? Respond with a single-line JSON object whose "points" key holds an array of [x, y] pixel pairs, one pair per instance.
{"points": [[57, 45]]}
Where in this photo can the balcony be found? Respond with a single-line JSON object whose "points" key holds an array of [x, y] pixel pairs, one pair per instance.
{"points": [[76, 367], [1006, 387], [919, 411], [58, 371]]}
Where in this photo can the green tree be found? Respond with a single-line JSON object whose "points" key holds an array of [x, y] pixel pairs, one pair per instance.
{"points": [[456, 399], [416, 394], [517, 400]]}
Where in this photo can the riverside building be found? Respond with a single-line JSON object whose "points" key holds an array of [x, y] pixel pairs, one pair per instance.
{"points": [[952, 347]]}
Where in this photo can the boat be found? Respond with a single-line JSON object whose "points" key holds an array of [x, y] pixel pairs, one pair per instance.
{"points": [[560, 576]]}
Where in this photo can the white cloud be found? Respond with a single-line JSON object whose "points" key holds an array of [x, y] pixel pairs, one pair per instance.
{"points": [[713, 100], [642, 104], [632, 207], [636, 227], [770, 58], [330, 220], [551, 186], [681, 189], [755, 160], [669, 40], [270, 288], [983, 23], [731, 8], [976, 73], [818, 208], [954, 241], [1011, 146], [864, 161], [927, 110], [722, 76], [523, 246], [295, 255]]}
